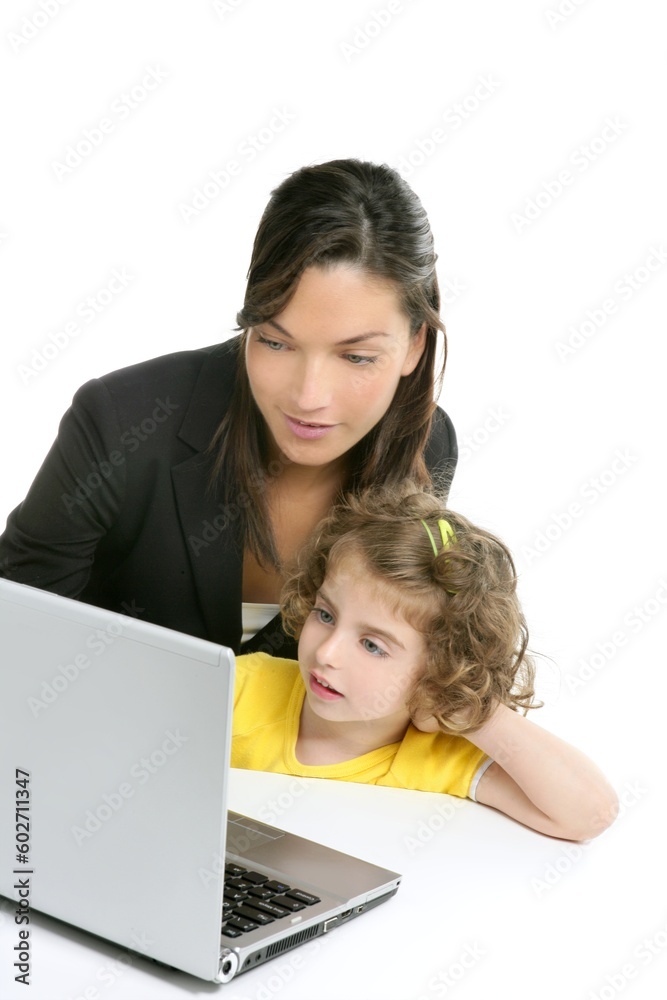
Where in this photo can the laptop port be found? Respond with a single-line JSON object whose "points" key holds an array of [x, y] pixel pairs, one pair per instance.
{"points": [[345, 914], [229, 963]]}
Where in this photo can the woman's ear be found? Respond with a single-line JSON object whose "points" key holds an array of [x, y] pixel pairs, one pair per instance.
{"points": [[415, 351]]}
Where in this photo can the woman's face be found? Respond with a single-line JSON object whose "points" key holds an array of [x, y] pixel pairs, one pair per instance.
{"points": [[324, 370]]}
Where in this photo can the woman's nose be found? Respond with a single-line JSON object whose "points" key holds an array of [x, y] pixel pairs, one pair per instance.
{"points": [[311, 387]]}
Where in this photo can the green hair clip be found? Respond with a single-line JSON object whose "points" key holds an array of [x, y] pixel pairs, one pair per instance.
{"points": [[446, 533]]}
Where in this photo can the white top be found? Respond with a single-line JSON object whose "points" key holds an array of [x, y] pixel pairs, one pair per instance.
{"points": [[255, 617]]}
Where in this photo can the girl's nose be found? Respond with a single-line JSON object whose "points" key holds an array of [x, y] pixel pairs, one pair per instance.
{"points": [[328, 652]]}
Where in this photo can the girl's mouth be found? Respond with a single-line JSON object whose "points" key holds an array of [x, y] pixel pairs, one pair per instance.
{"points": [[323, 689]]}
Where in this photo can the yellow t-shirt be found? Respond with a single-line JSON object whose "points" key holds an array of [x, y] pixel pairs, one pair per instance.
{"points": [[268, 698]]}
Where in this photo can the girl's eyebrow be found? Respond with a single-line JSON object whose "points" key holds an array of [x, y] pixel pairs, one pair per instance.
{"points": [[339, 343], [320, 595], [363, 626]]}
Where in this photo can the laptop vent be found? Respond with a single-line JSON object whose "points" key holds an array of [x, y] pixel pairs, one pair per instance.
{"points": [[292, 942]]}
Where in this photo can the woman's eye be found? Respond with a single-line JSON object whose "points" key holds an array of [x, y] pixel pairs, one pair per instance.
{"points": [[372, 647], [361, 359], [273, 345]]}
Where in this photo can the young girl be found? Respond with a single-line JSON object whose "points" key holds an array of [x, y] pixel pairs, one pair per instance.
{"points": [[412, 670]]}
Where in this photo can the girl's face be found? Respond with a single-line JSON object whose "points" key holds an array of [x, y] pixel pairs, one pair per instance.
{"points": [[358, 659], [324, 370]]}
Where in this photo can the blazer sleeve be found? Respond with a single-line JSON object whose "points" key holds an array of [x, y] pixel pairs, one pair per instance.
{"points": [[441, 453], [51, 537]]}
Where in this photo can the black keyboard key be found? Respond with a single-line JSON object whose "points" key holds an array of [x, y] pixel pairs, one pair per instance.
{"points": [[237, 883], [260, 892], [288, 903], [241, 923], [265, 907], [303, 897], [231, 932], [235, 895], [277, 886], [252, 914], [234, 870], [255, 877]]}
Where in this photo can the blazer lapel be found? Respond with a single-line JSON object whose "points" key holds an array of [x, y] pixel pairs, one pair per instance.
{"points": [[214, 545], [211, 530]]}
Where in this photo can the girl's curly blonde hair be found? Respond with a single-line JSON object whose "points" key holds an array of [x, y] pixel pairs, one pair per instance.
{"points": [[463, 600]]}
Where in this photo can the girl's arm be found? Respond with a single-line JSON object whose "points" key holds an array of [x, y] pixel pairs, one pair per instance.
{"points": [[541, 780]]}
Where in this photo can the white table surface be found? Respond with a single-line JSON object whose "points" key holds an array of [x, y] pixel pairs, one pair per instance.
{"points": [[487, 908]]}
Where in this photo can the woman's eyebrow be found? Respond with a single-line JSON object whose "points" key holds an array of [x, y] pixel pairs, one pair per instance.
{"points": [[340, 343]]}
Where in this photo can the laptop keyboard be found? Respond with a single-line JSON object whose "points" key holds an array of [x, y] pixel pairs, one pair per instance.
{"points": [[252, 900]]}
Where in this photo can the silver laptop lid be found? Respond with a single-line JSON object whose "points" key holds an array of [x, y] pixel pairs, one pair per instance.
{"points": [[124, 729]]}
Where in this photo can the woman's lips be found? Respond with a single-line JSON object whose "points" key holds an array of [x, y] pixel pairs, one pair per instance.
{"points": [[307, 431], [325, 693]]}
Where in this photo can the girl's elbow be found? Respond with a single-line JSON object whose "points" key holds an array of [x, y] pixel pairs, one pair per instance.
{"points": [[602, 807], [608, 812]]}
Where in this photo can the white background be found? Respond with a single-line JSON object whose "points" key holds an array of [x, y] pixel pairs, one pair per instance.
{"points": [[539, 431]]}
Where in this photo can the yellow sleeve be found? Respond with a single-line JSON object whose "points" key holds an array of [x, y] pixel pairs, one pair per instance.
{"points": [[257, 673], [435, 762], [262, 692]]}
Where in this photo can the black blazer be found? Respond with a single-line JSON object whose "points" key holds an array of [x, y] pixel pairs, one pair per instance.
{"points": [[121, 514]]}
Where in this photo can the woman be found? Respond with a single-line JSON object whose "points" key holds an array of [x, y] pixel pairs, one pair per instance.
{"points": [[181, 489]]}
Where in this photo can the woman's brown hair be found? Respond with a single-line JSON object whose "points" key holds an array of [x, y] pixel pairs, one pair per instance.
{"points": [[463, 600], [362, 215]]}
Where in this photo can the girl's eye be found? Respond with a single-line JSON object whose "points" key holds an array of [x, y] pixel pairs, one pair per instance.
{"points": [[273, 345], [361, 359], [323, 616], [373, 648]]}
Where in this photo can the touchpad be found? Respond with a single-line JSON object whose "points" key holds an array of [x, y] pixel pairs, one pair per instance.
{"points": [[244, 833]]}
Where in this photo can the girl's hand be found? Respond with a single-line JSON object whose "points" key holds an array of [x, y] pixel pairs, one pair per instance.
{"points": [[429, 723], [426, 723]]}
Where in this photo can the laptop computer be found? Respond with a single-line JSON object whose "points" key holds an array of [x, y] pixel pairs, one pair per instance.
{"points": [[115, 742]]}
